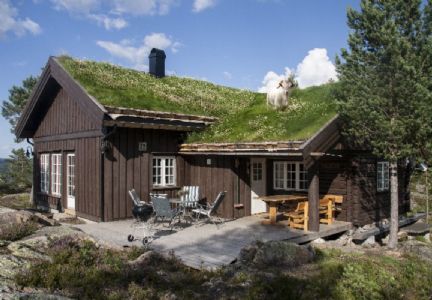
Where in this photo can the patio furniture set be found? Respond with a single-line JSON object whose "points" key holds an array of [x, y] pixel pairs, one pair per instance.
{"points": [[298, 218], [161, 208]]}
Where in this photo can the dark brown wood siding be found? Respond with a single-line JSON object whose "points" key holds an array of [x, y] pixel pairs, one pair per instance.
{"points": [[67, 128], [334, 178], [223, 174], [87, 178], [125, 167], [369, 205], [65, 116]]}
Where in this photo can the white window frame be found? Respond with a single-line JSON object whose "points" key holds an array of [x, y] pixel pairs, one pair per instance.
{"points": [[286, 185], [383, 176], [44, 163], [162, 177], [71, 174], [56, 174]]}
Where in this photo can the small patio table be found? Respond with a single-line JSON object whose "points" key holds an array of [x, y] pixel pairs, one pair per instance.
{"points": [[184, 211], [273, 202]]}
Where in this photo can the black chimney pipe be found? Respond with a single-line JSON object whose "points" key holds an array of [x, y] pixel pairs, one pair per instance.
{"points": [[157, 63]]}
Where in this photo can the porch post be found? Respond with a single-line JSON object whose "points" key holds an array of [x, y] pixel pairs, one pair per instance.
{"points": [[313, 196]]}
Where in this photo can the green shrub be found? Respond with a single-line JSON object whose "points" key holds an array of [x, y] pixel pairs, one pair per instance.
{"points": [[16, 232]]}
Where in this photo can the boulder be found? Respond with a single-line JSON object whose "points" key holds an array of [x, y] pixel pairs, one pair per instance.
{"points": [[143, 259], [319, 241], [402, 236], [369, 242], [421, 249], [248, 253], [33, 248], [16, 217], [10, 266], [280, 253], [46, 220]]}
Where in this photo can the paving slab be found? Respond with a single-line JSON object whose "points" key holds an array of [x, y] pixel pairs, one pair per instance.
{"points": [[206, 245]]}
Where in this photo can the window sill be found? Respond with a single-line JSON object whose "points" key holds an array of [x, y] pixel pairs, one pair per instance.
{"points": [[170, 187]]}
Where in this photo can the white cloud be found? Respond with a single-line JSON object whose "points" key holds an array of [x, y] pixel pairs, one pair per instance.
{"points": [[227, 75], [76, 6], [271, 80], [10, 23], [143, 7], [200, 5], [108, 22], [111, 13], [315, 69], [138, 55]]}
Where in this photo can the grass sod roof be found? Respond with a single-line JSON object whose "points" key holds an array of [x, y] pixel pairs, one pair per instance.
{"points": [[243, 115]]}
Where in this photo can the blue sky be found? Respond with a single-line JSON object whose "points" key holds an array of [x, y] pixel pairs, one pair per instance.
{"points": [[240, 43]]}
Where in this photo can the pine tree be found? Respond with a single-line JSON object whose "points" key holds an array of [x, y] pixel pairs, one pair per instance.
{"points": [[18, 95], [384, 90], [18, 174]]}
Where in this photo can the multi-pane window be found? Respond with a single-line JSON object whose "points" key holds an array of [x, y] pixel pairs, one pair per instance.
{"points": [[257, 171], [382, 176], [303, 179], [164, 170], [71, 175], [44, 173], [56, 175], [289, 176], [278, 177]]}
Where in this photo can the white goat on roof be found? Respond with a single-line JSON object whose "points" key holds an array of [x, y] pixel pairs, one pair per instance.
{"points": [[278, 97]]}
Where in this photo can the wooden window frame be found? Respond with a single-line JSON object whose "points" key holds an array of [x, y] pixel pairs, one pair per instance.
{"points": [[45, 171], [163, 167], [383, 176], [56, 174], [297, 172], [257, 170]]}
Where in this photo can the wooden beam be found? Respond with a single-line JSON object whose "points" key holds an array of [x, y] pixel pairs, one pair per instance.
{"points": [[245, 153], [317, 154], [151, 126], [313, 196], [69, 136]]}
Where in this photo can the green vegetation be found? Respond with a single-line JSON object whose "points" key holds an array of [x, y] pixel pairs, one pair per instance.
{"points": [[243, 114], [16, 201], [17, 175], [385, 84], [15, 232], [80, 269], [12, 107]]}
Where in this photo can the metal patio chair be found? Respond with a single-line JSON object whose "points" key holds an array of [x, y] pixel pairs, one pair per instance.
{"points": [[210, 210], [189, 197], [163, 210]]}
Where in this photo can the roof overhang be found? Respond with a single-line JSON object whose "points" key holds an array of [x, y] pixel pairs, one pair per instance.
{"points": [[138, 118], [312, 149]]}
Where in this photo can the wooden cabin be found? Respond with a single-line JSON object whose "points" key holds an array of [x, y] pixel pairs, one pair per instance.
{"points": [[88, 153]]}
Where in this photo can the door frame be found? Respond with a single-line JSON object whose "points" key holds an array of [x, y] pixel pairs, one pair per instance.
{"points": [[262, 206], [69, 197]]}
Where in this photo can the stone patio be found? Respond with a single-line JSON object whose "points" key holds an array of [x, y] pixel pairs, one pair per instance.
{"points": [[205, 245]]}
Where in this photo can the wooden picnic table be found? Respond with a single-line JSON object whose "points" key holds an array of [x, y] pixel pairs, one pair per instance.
{"points": [[274, 201]]}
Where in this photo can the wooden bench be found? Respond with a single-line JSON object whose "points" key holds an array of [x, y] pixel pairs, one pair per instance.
{"points": [[328, 205], [300, 217]]}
